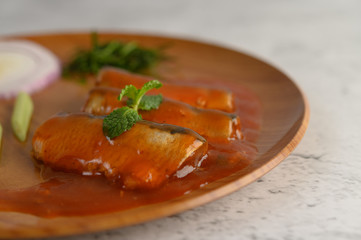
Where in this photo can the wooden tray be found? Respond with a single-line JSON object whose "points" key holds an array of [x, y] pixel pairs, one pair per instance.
{"points": [[284, 121]]}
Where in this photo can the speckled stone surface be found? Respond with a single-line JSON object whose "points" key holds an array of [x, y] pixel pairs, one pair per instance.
{"points": [[316, 192]]}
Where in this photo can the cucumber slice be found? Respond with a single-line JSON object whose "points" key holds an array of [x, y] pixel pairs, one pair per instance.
{"points": [[20, 120], [1, 135]]}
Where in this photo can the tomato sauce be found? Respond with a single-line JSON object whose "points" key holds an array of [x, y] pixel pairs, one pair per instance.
{"points": [[64, 194]]}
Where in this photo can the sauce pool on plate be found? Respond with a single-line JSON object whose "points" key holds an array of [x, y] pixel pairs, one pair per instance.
{"points": [[63, 194]]}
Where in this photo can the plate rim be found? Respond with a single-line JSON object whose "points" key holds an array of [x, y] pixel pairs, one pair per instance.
{"points": [[201, 199]]}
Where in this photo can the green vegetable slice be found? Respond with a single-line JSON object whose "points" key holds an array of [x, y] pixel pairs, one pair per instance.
{"points": [[20, 119], [1, 135]]}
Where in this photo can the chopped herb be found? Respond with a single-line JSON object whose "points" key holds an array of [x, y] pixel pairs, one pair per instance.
{"points": [[129, 56], [123, 119]]}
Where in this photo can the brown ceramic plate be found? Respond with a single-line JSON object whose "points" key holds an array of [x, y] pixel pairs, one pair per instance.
{"points": [[285, 117]]}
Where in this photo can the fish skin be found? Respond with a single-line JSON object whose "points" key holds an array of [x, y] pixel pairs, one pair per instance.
{"points": [[214, 125], [208, 98], [143, 157]]}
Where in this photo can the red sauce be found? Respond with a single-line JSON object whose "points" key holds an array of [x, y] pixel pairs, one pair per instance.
{"points": [[63, 194]]}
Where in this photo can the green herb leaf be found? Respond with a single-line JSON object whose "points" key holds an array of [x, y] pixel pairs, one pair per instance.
{"points": [[129, 56], [122, 119], [119, 121], [150, 85], [135, 95], [148, 102], [130, 91]]}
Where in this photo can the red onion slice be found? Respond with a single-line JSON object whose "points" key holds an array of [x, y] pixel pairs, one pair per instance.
{"points": [[25, 66]]}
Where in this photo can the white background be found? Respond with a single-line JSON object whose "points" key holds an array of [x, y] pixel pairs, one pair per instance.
{"points": [[316, 192]]}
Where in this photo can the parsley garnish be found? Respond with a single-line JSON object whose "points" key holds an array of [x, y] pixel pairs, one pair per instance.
{"points": [[129, 56], [123, 119]]}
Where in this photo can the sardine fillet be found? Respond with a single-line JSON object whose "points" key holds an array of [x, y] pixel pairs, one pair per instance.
{"points": [[196, 96], [142, 158], [214, 125]]}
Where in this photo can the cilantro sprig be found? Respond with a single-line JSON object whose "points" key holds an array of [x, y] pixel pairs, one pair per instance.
{"points": [[123, 119], [126, 55]]}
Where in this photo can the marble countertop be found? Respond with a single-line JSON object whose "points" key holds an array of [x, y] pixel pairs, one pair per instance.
{"points": [[316, 192]]}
